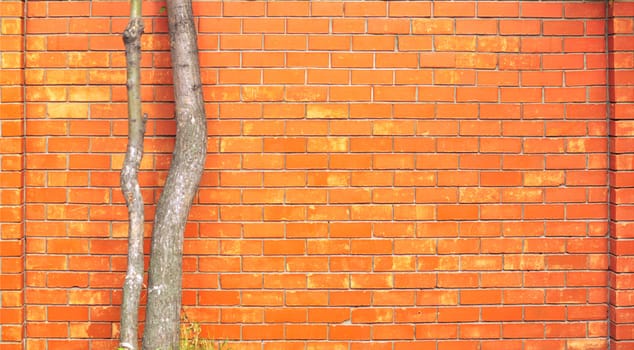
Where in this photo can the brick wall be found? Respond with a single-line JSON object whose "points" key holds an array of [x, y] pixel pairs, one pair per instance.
{"points": [[11, 175], [380, 175], [621, 104]]}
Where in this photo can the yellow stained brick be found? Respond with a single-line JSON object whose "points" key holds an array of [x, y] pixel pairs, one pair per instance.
{"points": [[34, 76], [331, 144], [11, 60], [89, 93], [11, 26], [35, 43], [110, 76], [327, 111], [65, 76], [48, 94], [67, 110]]}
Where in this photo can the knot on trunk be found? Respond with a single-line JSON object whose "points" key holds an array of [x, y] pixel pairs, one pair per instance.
{"points": [[133, 31]]}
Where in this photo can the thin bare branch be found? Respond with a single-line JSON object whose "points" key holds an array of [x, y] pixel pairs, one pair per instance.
{"points": [[133, 284]]}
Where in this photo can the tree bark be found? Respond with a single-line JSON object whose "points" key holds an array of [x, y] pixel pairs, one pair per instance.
{"points": [[133, 284], [162, 323]]}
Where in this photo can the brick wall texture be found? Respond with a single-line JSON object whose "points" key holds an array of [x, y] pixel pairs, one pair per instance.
{"points": [[380, 175]]}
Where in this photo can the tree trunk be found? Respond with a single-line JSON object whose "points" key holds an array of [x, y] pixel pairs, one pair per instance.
{"points": [[162, 322], [129, 338]]}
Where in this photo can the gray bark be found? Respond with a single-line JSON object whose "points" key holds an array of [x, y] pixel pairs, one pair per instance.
{"points": [[133, 284], [162, 324]]}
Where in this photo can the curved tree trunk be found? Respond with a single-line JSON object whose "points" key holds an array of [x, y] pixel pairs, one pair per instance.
{"points": [[129, 338], [162, 322]]}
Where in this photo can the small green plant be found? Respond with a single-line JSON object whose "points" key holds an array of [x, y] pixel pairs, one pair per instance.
{"points": [[192, 340]]}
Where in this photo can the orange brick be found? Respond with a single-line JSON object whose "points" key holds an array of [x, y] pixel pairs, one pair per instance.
{"points": [[363, 10], [285, 42], [305, 25], [244, 8], [329, 43], [348, 25], [388, 26], [373, 43]]}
